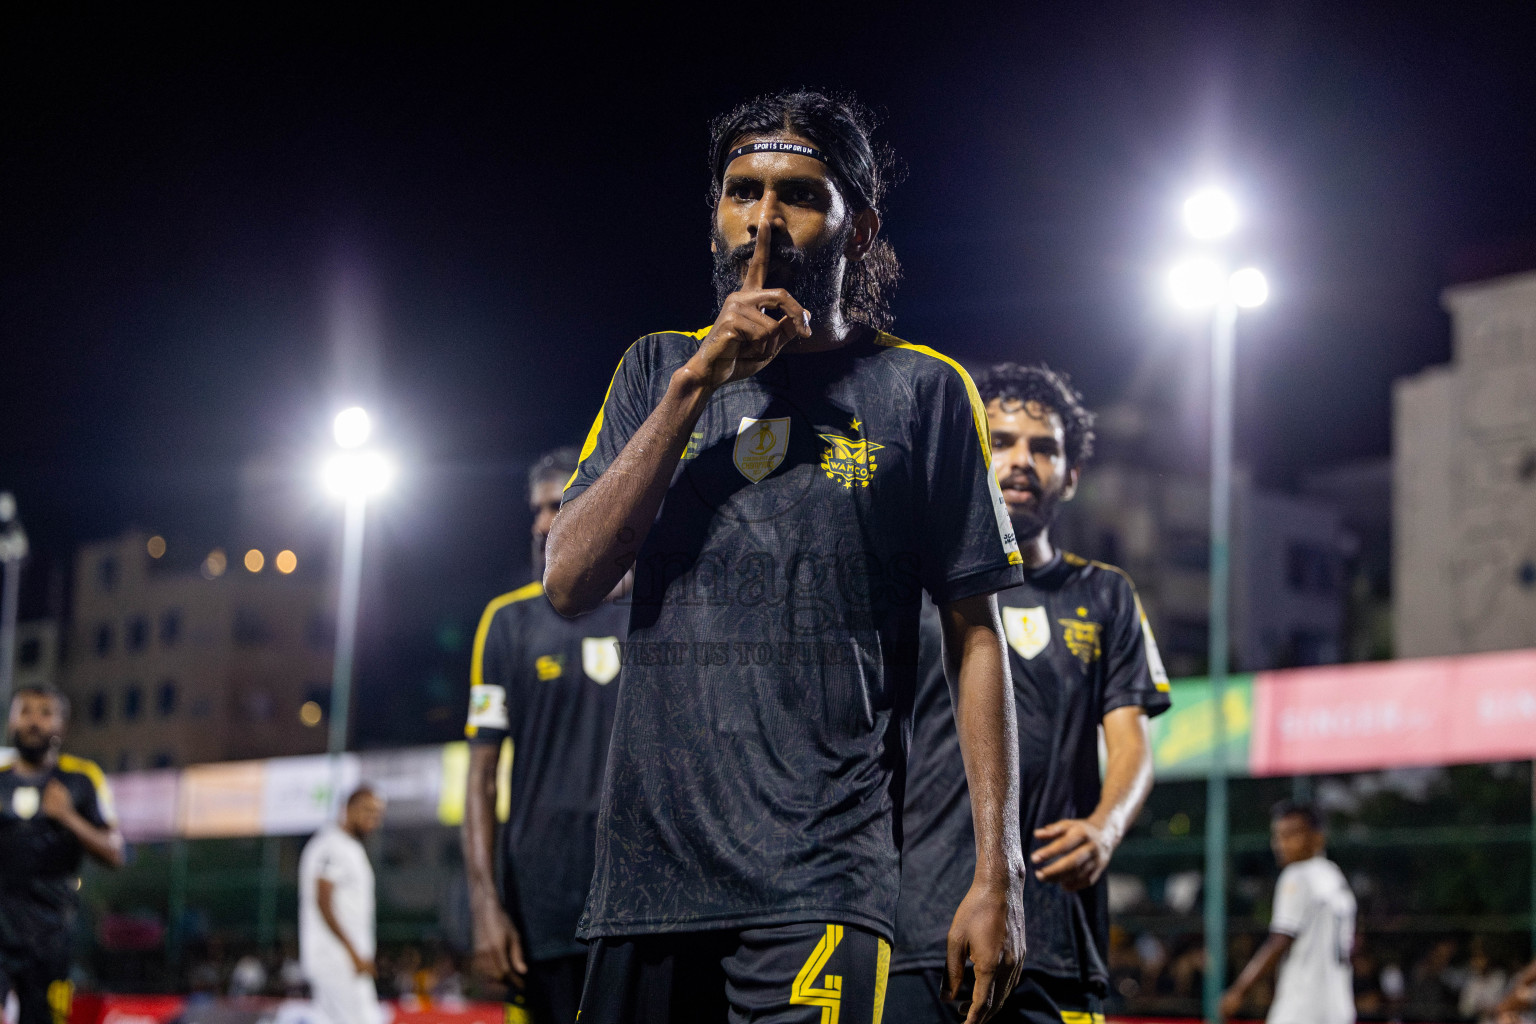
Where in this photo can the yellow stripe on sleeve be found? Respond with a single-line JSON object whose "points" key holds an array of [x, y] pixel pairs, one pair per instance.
{"points": [[983, 436], [590, 444], [477, 658], [978, 407]]}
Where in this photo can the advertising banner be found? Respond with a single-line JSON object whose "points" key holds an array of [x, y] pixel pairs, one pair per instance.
{"points": [[296, 793], [408, 780], [146, 804], [1390, 714], [1183, 737], [221, 799]]}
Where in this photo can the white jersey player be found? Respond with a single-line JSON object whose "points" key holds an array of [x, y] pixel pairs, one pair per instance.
{"points": [[336, 914], [1311, 932]]}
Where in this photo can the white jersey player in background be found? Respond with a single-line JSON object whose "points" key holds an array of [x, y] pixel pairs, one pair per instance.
{"points": [[336, 914], [1311, 932]]}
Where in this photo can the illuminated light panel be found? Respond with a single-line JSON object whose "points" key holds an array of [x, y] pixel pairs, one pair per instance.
{"points": [[254, 560], [1248, 288], [285, 562], [1196, 282], [361, 474], [156, 546], [310, 713], [352, 427], [215, 564], [1210, 213]]}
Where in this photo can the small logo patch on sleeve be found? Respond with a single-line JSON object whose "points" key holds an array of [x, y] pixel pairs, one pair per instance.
{"points": [[487, 707]]}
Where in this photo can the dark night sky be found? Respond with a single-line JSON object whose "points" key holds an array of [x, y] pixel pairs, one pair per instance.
{"points": [[521, 198]]}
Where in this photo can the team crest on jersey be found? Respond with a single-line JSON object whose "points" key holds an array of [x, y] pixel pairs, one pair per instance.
{"points": [[849, 461], [549, 666], [1028, 630], [1082, 638], [600, 658], [760, 446], [26, 801]]}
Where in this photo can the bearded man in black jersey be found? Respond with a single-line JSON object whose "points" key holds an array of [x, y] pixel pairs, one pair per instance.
{"points": [[1082, 658], [55, 810], [547, 684], [786, 483]]}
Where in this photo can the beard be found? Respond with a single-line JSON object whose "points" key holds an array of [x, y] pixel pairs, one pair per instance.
{"points": [[1029, 521], [33, 749], [811, 274]]}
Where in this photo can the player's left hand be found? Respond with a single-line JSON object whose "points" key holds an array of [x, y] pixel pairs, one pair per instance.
{"points": [[988, 929], [1230, 1003], [1077, 855], [57, 803]]}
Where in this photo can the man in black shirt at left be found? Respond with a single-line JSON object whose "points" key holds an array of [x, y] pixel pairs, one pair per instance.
{"points": [[549, 686], [54, 809]]}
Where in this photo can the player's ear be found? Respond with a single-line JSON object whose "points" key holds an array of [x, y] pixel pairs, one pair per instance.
{"points": [[866, 225], [1070, 490]]}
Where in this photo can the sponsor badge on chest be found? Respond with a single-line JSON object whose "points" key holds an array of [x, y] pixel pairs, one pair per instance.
{"points": [[600, 658], [761, 446], [1028, 630], [26, 801]]}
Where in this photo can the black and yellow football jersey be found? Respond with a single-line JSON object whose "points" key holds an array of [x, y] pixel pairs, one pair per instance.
{"points": [[1079, 647], [760, 740], [39, 858], [550, 685]]}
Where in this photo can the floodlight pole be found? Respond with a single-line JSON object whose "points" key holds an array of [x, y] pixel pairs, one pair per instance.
{"points": [[1217, 818], [346, 634], [13, 548]]}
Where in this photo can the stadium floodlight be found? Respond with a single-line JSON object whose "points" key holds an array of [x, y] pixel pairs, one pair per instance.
{"points": [[352, 427], [355, 474], [1202, 282], [1248, 288], [1210, 213], [1197, 283], [358, 474]]}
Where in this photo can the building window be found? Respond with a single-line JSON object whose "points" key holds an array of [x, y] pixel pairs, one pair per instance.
{"points": [[136, 633], [250, 629], [97, 709], [103, 640], [257, 705], [106, 574], [133, 702], [166, 698], [29, 652], [1309, 568], [170, 627]]}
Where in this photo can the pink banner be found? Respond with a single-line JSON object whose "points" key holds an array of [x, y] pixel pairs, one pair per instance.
{"points": [[1392, 714]]}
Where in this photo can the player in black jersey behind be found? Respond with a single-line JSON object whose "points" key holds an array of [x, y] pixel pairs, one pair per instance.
{"points": [[1082, 657], [54, 809], [786, 483], [548, 684]]}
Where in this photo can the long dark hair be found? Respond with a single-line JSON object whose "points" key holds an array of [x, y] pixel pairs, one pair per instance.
{"points": [[840, 126]]}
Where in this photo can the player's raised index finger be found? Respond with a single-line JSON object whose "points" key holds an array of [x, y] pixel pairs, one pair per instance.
{"points": [[757, 267]]}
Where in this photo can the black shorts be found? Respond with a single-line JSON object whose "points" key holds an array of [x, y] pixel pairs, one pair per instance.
{"points": [[779, 974], [40, 978], [551, 992], [917, 997]]}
